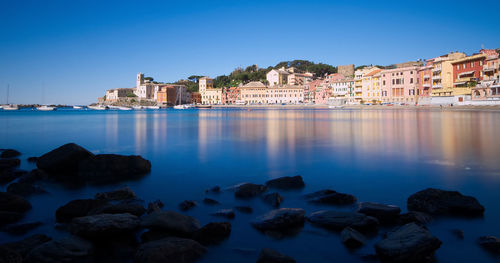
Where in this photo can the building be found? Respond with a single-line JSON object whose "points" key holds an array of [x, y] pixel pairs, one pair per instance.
{"points": [[346, 70], [323, 93], [442, 74], [144, 89], [342, 87], [310, 90], [357, 92], [424, 80], [231, 95], [277, 77], [115, 95], [253, 93], [195, 98], [488, 90], [288, 94], [399, 85], [299, 78], [467, 72], [371, 89], [168, 94], [209, 94]]}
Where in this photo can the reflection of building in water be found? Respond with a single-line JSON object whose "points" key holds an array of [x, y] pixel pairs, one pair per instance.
{"points": [[140, 132], [112, 128]]}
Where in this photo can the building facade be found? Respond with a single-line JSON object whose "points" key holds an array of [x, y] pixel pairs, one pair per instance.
{"points": [[231, 95], [442, 74], [114, 95], [209, 94], [277, 77], [399, 85], [346, 70]]}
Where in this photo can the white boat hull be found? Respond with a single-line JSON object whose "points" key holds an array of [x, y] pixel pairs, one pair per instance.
{"points": [[46, 108], [97, 108]]}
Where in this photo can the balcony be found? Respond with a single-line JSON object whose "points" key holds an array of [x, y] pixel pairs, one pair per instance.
{"points": [[489, 69], [426, 85], [427, 77], [438, 86], [465, 73], [438, 77], [436, 70]]}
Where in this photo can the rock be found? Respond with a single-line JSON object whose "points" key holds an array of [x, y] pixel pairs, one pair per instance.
{"points": [[273, 199], [170, 249], [268, 255], [112, 168], [117, 195], [287, 182], [215, 189], [490, 243], [131, 206], [155, 206], [64, 160], [13, 203], [213, 233], [227, 213], [77, 208], [9, 163], [32, 159], [414, 217], [249, 190], [104, 226], [172, 222], [337, 220], [155, 234], [244, 209], [7, 217], [33, 176], [331, 197], [280, 219], [9, 175], [352, 238], [458, 233], [25, 189], [409, 243], [441, 202], [209, 201], [186, 205], [9, 256], [9, 153], [384, 213], [21, 229], [23, 247], [69, 249]]}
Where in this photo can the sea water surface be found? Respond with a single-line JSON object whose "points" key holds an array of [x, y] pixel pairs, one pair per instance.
{"points": [[377, 155]]}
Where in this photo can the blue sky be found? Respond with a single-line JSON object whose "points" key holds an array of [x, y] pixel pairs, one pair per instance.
{"points": [[78, 49]]}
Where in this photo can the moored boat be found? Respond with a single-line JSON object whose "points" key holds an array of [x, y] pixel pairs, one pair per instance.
{"points": [[203, 106], [46, 108], [10, 107], [124, 108], [153, 107], [138, 107], [98, 107], [77, 107]]}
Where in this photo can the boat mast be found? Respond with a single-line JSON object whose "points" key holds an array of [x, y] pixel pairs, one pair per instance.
{"points": [[8, 87]]}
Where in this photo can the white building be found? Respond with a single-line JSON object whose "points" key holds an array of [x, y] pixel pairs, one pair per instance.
{"points": [[209, 94], [277, 77], [144, 89]]}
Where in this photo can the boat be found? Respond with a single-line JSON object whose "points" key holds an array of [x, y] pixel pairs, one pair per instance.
{"points": [[77, 107], [98, 107], [46, 108], [123, 108], [335, 107], [10, 107], [153, 107], [203, 106], [137, 107], [182, 107]]}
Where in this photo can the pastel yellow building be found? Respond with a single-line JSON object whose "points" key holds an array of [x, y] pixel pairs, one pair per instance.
{"points": [[442, 74], [371, 89], [209, 94]]}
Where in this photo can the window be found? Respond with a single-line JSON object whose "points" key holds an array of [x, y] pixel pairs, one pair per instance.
{"points": [[472, 64], [458, 67], [480, 63], [463, 66], [411, 80]]}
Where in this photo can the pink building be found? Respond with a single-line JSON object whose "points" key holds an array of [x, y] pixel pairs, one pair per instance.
{"points": [[310, 90], [399, 85]]}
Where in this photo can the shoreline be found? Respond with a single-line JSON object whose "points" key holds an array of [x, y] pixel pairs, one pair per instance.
{"points": [[362, 107]]}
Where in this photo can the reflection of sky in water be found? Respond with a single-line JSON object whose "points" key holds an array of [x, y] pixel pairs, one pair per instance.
{"points": [[377, 155]]}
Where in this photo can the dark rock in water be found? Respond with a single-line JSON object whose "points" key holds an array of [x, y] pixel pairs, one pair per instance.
{"points": [[9, 153], [32, 159], [337, 220], [33, 176], [244, 209], [273, 199], [280, 219], [268, 255], [370, 258], [173, 222], [23, 247], [104, 226], [490, 243], [119, 249], [245, 251], [155, 206], [111, 168], [213, 233], [331, 197], [13, 203], [441, 202], [9, 163], [287, 182], [227, 213], [7, 217], [458, 233], [384, 213], [420, 218], [64, 160], [77, 208], [117, 195], [9, 175], [131, 206], [352, 238], [249, 190], [186, 205], [409, 243], [69, 249], [9, 256], [21, 229], [215, 189], [155, 234], [209, 201], [170, 249], [25, 189]]}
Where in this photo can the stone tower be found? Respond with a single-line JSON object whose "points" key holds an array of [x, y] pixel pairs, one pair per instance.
{"points": [[140, 80]]}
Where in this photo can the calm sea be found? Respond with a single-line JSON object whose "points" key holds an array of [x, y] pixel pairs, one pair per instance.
{"points": [[376, 155]]}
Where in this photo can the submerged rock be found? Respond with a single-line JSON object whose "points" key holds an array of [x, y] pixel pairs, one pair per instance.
{"points": [[9, 256], [441, 202], [111, 168], [209, 201], [409, 243], [273, 199], [131, 206], [384, 213], [268, 255], [458, 233], [186, 205], [64, 160], [331, 197], [117, 195], [7, 217], [9, 153], [104, 226], [213, 233], [25, 189], [13, 203], [155, 206], [249, 190], [244, 209], [32, 159], [420, 218], [170, 249], [337, 220], [21, 229], [77, 208], [352, 238], [227, 213], [490, 243], [215, 189], [69, 249], [287, 182], [9, 175], [280, 219], [172, 222], [23, 247], [9, 163]]}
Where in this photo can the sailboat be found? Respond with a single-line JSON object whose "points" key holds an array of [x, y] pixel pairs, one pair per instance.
{"points": [[44, 107], [8, 106], [181, 106]]}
